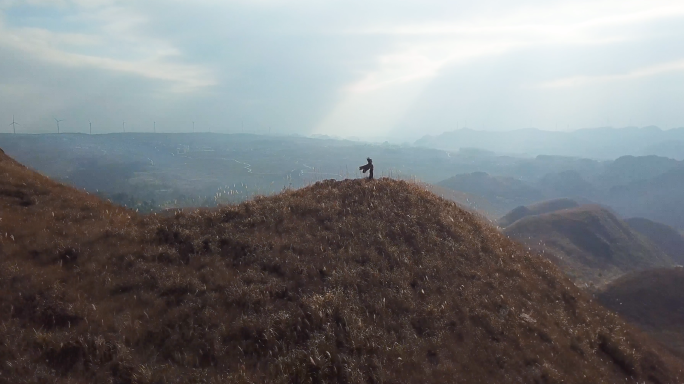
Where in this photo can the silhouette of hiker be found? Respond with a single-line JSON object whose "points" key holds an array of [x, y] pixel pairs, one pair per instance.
{"points": [[368, 167]]}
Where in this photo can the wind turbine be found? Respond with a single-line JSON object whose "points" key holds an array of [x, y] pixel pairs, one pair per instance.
{"points": [[91, 126], [155, 127], [193, 127], [124, 126], [58, 121], [14, 125]]}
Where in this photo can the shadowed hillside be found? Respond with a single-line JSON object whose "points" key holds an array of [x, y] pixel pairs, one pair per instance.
{"points": [[652, 300], [536, 209], [589, 243], [350, 282], [668, 239]]}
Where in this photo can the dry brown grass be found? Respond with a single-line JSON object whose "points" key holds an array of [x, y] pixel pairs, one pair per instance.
{"points": [[654, 301], [350, 282]]}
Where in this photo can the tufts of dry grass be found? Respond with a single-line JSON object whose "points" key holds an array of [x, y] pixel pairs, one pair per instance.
{"points": [[349, 282]]}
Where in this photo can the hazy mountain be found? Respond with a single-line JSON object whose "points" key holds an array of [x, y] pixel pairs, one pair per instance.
{"points": [[473, 203], [542, 165], [160, 171], [352, 281], [536, 209], [652, 300], [589, 242], [502, 193], [596, 143], [567, 184], [673, 149], [530, 141], [629, 169], [660, 198], [205, 169], [668, 239]]}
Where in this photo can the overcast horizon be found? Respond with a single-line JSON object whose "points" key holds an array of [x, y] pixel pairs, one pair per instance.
{"points": [[397, 70]]}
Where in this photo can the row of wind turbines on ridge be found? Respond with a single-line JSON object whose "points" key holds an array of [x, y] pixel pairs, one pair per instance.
{"points": [[14, 124]]}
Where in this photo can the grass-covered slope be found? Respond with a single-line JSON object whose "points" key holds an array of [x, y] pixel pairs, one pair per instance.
{"points": [[652, 300], [589, 242], [348, 282]]}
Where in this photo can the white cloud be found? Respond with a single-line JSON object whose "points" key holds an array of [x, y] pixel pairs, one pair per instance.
{"points": [[351, 65], [114, 46]]}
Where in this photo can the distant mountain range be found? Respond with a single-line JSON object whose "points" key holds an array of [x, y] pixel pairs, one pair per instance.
{"points": [[157, 171], [598, 143], [646, 186], [501, 192]]}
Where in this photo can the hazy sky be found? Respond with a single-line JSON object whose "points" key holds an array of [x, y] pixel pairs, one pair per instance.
{"points": [[399, 68]]}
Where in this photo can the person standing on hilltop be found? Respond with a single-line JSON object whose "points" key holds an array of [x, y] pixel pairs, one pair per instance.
{"points": [[368, 167]]}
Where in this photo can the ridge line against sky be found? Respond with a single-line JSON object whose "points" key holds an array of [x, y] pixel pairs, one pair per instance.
{"points": [[397, 69]]}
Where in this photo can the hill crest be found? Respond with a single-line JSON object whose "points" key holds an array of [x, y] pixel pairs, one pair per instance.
{"points": [[352, 281]]}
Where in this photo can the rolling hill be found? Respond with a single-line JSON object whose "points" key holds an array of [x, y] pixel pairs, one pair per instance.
{"points": [[589, 242], [654, 301], [354, 281], [668, 239], [540, 208]]}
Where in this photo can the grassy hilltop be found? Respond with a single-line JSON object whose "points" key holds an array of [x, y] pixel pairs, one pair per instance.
{"points": [[348, 282]]}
